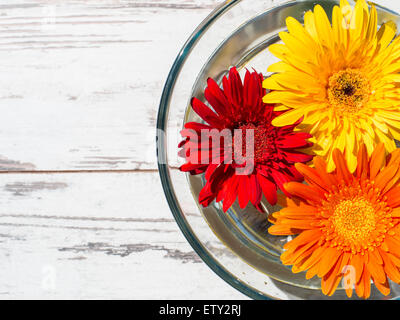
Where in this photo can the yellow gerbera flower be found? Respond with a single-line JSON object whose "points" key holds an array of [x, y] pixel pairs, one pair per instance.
{"points": [[342, 77]]}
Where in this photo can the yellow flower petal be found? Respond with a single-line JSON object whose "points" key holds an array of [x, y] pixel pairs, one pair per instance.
{"points": [[342, 78], [386, 34], [288, 117], [323, 26]]}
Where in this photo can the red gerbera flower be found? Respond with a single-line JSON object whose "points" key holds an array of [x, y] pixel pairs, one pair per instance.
{"points": [[270, 152]]}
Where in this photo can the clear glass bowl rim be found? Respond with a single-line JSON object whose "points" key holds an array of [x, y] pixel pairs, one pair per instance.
{"points": [[161, 154], [166, 182]]}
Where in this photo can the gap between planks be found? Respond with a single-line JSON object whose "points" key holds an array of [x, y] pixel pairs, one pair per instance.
{"points": [[83, 171], [78, 171]]}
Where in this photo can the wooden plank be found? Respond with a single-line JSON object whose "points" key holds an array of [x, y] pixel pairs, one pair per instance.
{"points": [[82, 80], [80, 95], [96, 235], [80, 84]]}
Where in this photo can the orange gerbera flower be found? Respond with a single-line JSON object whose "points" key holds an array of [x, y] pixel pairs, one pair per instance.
{"points": [[345, 221]]}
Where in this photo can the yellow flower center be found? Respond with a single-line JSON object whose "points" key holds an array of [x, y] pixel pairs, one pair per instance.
{"points": [[348, 91], [354, 219]]}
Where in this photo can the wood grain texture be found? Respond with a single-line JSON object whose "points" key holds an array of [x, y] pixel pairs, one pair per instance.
{"points": [[83, 214], [82, 210], [84, 80], [74, 242]]}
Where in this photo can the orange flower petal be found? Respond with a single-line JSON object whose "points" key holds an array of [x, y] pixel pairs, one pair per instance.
{"points": [[395, 259], [393, 197], [300, 224], [377, 160], [312, 177], [391, 270], [367, 284], [293, 257], [362, 170], [392, 182], [385, 176], [341, 166], [358, 264], [303, 238], [328, 261], [345, 261], [376, 270], [312, 272], [300, 212], [394, 158], [282, 230], [384, 288], [393, 245], [327, 242], [311, 260], [302, 191], [332, 279], [360, 285], [321, 167], [374, 254], [349, 292]]}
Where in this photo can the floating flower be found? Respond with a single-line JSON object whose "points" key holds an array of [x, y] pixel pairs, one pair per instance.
{"points": [[343, 78], [269, 156], [345, 222]]}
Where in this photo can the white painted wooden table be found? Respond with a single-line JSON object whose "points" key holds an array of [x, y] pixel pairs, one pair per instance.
{"points": [[82, 213]]}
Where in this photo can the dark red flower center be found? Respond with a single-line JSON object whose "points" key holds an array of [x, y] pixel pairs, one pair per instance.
{"points": [[263, 141]]}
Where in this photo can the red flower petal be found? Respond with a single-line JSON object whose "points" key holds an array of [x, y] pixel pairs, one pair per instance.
{"points": [[280, 179], [243, 192], [239, 105], [297, 157], [205, 113], [255, 190], [233, 88], [268, 188], [217, 99], [206, 196], [252, 89], [193, 168], [294, 140], [197, 126], [231, 193]]}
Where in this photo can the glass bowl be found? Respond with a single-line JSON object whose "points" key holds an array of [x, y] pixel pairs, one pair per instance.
{"points": [[236, 244]]}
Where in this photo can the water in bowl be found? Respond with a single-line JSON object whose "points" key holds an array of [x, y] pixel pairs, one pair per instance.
{"points": [[245, 231]]}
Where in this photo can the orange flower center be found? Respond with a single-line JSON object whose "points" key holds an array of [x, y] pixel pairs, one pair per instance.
{"points": [[349, 91], [354, 219], [357, 217]]}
